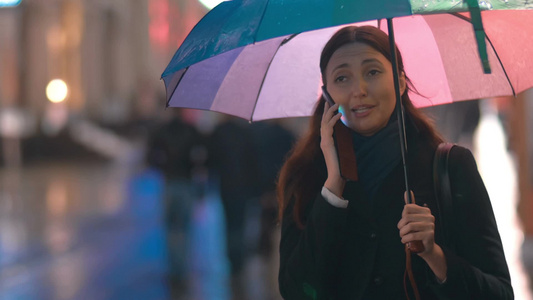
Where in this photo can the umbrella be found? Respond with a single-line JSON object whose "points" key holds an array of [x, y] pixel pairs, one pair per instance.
{"points": [[264, 80], [258, 59]]}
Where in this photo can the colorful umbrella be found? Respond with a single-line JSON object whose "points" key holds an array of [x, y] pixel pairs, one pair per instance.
{"points": [[258, 59], [230, 70]]}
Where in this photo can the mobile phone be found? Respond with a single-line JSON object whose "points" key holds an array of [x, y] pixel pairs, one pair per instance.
{"points": [[328, 98], [343, 144]]}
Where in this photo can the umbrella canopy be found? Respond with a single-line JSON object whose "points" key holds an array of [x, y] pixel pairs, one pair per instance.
{"points": [[258, 59], [280, 77], [237, 23]]}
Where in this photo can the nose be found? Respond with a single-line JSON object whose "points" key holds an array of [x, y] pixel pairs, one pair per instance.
{"points": [[359, 88]]}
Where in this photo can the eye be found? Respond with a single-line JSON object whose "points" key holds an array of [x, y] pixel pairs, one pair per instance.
{"points": [[373, 72], [340, 78]]}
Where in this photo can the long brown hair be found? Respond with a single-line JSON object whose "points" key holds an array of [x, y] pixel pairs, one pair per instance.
{"points": [[304, 172]]}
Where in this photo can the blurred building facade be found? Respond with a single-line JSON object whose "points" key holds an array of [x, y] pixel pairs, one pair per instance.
{"points": [[109, 53]]}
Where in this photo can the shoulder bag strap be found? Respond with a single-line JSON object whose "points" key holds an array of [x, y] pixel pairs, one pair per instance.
{"points": [[443, 192]]}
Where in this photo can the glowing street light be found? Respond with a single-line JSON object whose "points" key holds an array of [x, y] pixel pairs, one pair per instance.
{"points": [[56, 91]]}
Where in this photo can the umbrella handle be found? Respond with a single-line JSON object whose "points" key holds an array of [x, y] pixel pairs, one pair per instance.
{"points": [[416, 246]]}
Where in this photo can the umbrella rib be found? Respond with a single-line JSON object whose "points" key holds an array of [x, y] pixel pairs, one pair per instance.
{"points": [[501, 64], [260, 21], [493, 49], [266, 72], [173, 91]]}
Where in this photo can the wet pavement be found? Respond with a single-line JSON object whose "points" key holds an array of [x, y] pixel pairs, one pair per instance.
{"points": [[71, 231], [94, 230]]}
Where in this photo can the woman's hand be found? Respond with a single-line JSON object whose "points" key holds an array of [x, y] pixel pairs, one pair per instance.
{"points": [[334, 182], [418, 224]]}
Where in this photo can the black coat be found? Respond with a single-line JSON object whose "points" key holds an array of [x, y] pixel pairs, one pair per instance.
{"points": [[356, 253]]}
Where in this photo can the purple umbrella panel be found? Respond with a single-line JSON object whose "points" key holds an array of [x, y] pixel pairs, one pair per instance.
{"points": [[265, 80]]}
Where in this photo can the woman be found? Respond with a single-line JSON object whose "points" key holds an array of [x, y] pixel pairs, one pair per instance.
{"points": [[345, 240]]}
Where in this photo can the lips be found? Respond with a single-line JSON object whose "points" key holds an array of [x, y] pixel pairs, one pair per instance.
{"points": [[361, 109]]}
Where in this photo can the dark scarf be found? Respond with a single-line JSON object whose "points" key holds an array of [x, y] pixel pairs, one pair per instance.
{"points": [[377, 155]]}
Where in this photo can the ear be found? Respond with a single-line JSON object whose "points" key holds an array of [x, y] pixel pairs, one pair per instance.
{"points": [[403, 83]]}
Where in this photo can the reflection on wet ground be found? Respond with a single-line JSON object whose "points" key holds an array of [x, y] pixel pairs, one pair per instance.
{"points": [[74, 231], [86, 230]]}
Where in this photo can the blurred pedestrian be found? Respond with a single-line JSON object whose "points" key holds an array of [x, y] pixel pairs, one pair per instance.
{"points": [[179, 151], [273, 141], [233, 160]]}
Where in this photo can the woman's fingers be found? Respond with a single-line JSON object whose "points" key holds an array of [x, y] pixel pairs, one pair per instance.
{"points": [[417, 224], [334, 120], [329, 113], [414, 227], [328, 122], [411, 215], [419, 231], [326, 108], [413, 209], [425, 237], [334, 182], [326, 115]]}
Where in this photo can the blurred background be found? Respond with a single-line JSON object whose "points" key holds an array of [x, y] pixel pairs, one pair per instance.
{"points": [[105, 194]]}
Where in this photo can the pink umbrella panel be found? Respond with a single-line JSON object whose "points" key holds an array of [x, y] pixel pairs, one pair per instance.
{"points": [[280, 77]]}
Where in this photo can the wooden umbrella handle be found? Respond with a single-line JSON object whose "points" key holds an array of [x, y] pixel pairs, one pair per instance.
{"points": [[416, 246]]}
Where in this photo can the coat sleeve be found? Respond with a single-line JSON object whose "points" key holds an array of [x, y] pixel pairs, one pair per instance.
{"points": [[477, 268], [308, 256]]}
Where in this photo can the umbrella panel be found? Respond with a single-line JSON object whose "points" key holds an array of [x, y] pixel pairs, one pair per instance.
{"points": [[222, 82], [442, 61], [439, 52], [514, 46]]}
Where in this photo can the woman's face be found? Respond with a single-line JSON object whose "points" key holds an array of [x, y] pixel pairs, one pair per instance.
{"points": [[360, 80]]}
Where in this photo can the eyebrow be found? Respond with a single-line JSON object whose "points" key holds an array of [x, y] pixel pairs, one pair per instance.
{"points": [[366, 61]]}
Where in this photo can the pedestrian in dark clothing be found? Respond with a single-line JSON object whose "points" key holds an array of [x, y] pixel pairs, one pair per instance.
{"points": [[273, 142], [178, 150], [233, 160]]}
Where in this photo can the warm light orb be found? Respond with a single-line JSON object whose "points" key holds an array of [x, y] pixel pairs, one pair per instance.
{"points": [[56, 91], [211, 3]]}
